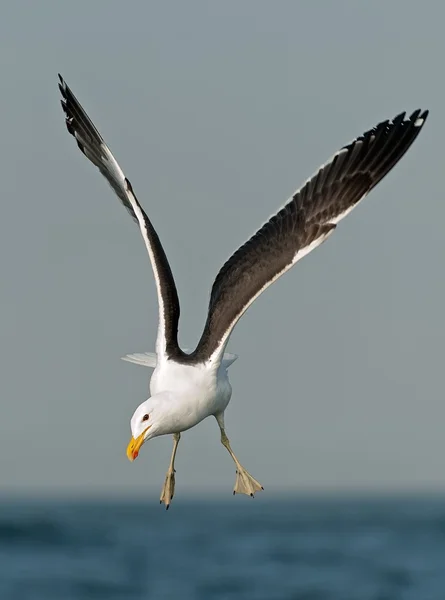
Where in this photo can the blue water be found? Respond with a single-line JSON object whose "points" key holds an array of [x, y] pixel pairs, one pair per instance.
{"points": [[245, 549]]}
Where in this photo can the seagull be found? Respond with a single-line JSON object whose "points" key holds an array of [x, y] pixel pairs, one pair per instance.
{"points": [[186, 387]]}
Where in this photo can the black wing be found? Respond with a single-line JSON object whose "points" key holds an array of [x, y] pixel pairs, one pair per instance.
{"points": [[93, 146], [304, 223]]}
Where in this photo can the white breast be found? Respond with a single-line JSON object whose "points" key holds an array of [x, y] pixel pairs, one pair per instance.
{"points": [[200, 390]]}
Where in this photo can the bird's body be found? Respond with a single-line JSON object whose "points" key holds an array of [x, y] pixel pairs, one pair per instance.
{"points": [[187, 387], [202, 391]]}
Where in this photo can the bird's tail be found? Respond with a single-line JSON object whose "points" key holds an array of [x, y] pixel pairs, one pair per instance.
{"points": [[149, 359]]}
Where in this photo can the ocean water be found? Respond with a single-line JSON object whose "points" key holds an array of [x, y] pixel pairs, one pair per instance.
{"points": [[274, 549]]}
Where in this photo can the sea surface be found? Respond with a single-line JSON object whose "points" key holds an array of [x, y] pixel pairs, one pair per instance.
{"points": [[274, 549]]}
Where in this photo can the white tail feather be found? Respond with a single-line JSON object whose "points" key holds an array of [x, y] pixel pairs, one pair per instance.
{"points": [[146, 359], [149, 359]]}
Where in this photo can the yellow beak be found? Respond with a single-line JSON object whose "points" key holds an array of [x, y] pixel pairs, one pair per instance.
{"points": [[135, 445]]}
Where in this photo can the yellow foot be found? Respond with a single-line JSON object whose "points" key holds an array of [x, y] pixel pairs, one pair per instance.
{"points": [[245, 483], [169, 489]]}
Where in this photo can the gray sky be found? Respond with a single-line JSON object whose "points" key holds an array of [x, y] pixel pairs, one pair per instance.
{"points": [[217, 113]]}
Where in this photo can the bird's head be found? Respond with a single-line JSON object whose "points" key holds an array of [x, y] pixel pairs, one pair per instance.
{"points": [[149, 420]]}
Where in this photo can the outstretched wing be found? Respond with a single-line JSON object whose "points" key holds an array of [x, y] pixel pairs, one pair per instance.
{"points": [[93, 146], [308, 218]]}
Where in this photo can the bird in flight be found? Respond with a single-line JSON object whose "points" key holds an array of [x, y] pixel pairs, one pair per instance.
{"points": [[189, 386]]}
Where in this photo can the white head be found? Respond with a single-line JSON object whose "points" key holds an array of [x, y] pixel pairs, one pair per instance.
{"points": [[151, 419]]}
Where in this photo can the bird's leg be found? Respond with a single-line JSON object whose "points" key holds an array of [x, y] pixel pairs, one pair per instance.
{"points": [[169, 485], [244, 483]]}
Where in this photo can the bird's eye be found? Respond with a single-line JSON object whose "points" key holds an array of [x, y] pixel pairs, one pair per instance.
{"points": [[145, 418]]}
